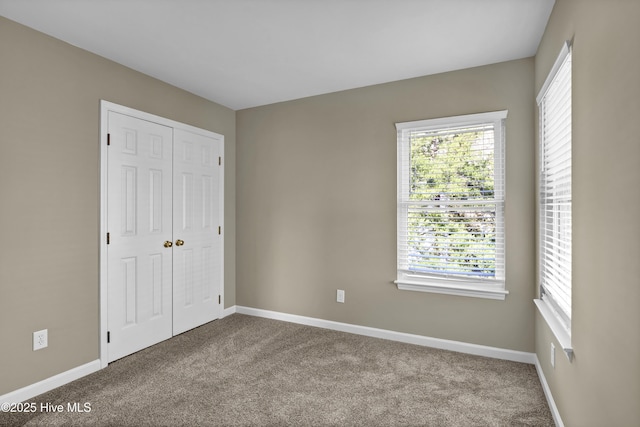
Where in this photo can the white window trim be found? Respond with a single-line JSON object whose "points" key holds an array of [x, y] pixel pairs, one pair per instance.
{"points": [[556, 321], [558, 330], [450, 287], [566, 49], [490, 289]]}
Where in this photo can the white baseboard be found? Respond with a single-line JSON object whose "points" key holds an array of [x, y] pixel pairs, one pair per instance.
{"points": [[50, 383], [461, 347], [547, 393], [228, 311]]}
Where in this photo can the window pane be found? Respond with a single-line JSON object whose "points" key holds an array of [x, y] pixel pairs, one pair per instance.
{"points": [[454, 164], [453, 240], [451, 201]]}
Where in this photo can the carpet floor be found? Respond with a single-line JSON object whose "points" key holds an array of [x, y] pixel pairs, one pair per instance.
{"points": [[244, 370]]}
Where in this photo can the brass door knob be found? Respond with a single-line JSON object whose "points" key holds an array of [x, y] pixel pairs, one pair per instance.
{"points": [[179, 242], [168, 244]]}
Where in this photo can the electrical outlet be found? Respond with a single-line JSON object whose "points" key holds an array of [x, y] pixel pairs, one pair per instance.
{"points": [[340, 296], [40, 339], [553, 356]]}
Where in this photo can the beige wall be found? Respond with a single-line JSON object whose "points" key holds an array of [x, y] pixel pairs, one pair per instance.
{"points": [[49, 193], [316, 205], [601, 387]]}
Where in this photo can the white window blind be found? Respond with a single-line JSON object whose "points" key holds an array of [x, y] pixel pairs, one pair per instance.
{"points": [[451, 201], [554, 104]]}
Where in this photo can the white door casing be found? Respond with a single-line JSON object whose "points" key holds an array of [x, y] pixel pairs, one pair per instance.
{"points": [[177, 287]]}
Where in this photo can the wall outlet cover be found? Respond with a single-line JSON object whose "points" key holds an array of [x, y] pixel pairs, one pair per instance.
{"points": [[40, 339]]}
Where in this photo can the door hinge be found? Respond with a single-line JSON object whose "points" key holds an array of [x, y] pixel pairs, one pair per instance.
{"points": [[219, 230], [108, 337], [220, 161], [108, 139], [108, 238], [219, 299]]}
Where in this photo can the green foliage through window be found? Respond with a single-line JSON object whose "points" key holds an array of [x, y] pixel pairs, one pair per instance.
{"points": [[451, 208]]}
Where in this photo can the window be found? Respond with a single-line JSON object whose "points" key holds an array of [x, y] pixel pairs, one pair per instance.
{"points": [[451, 205], [554, 102]]}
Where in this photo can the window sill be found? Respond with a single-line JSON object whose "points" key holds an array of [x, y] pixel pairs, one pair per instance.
{"points": [[465, 290], [560, 332]]}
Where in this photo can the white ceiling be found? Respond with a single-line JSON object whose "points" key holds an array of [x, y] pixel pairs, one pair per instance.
{"points": [[246, 53]]}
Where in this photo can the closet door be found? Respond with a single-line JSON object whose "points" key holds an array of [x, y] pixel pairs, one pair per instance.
{"points": [[139, 224], [197, 268]]}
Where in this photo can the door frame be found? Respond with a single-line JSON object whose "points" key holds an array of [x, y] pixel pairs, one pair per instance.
{"points": [[105, 108]]}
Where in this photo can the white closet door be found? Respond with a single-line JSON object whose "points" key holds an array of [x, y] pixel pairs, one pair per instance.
{"points": [[139, 210], [197, 269]]}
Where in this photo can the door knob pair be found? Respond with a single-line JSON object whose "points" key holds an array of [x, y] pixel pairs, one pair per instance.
{"points": [[168, 243]]}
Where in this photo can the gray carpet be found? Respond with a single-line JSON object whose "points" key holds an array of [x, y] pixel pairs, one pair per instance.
{"points": [[244, 370]]}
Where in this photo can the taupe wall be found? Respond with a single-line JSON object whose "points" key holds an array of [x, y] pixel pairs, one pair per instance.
{"points": [[316, 206], [49, 193], [601, 387]]}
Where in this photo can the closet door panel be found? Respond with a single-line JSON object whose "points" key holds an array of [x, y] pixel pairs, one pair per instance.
{"points": [[197, 242], [139, 222]]}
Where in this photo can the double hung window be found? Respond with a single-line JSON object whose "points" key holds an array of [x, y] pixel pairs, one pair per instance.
{"points": [[554, 102], [451, 188]]}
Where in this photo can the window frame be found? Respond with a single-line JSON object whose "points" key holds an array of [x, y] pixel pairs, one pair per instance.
{"points": [[494, 288], [556, 317]]}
